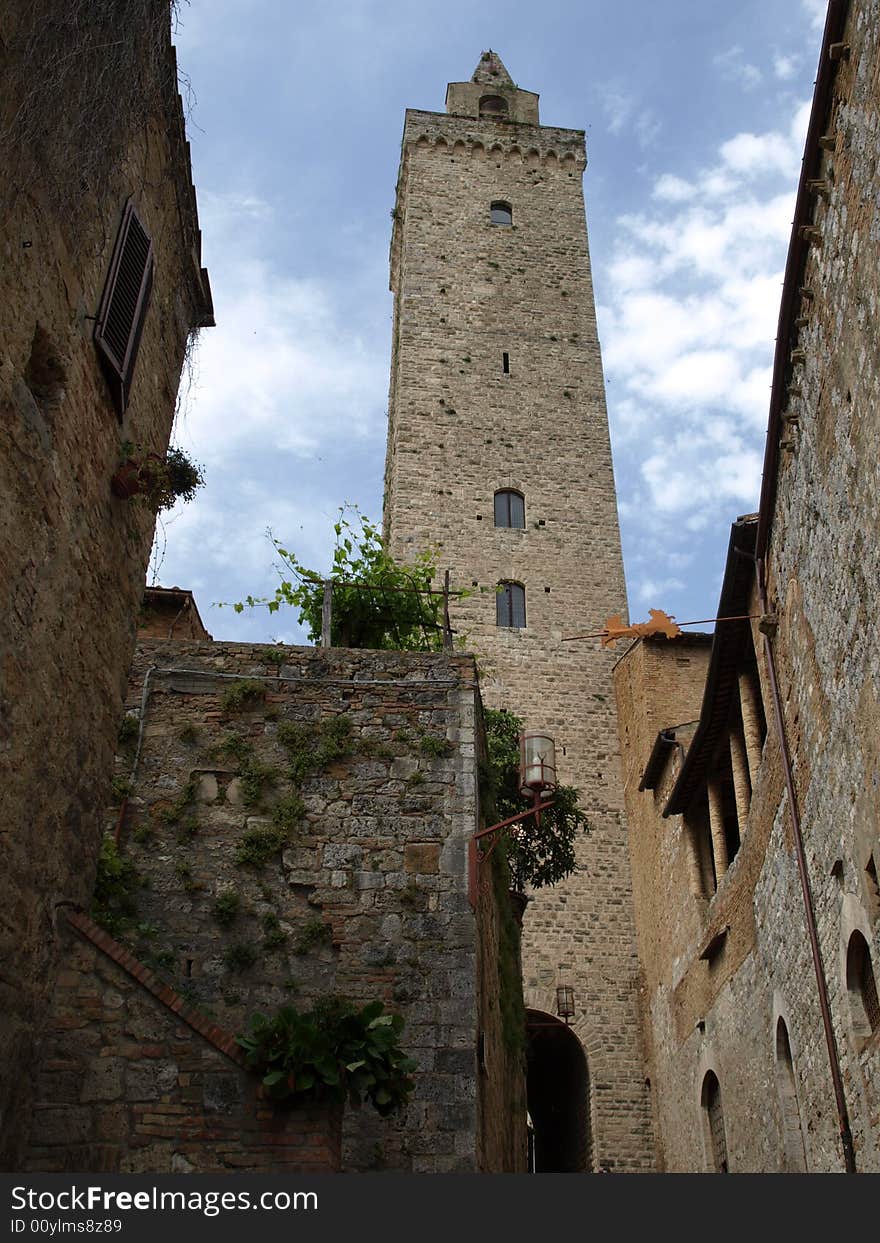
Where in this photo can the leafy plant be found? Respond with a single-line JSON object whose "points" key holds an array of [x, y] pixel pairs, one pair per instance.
{"points": [[114, 904], [313, 932], [274, 935], [258, 845], [129, 729], [332, 1051], [376, 602], [120, 788], [314, 746], [537, 854], [252, 778], [163, 481], [432, 745], [240, 956], [243, 695], [288, 813], [226, 907]]}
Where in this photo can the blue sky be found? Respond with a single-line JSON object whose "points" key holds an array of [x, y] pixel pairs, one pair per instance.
{"points": [[695, 113]]}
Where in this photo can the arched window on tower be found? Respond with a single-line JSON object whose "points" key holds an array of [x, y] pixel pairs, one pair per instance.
{"points": [[862, 987], [510, 509], [710, 1099], [510, 605], [500, 212], [493, 106]]}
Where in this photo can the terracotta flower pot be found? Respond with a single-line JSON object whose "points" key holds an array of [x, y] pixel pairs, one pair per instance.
{"points": [[127, 481]]}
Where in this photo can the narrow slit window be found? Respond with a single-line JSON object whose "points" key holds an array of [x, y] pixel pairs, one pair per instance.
{"points": [[501, 213], [505, 363], [510, 607], [510, 509], [124, 301]]}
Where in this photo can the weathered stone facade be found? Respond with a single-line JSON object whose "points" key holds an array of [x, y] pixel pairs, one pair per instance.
{"points": [[496, 385], [364, 894], [104, 126], [133, 1080], [733, 988]]}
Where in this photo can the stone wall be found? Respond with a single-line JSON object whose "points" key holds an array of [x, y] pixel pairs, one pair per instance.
{"points": [[71, 556], [263, 886], [134, 1080], [467, 293], [823, 565], [727, 974]]}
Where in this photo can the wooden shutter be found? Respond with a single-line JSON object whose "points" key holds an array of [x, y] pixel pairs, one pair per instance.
{"points": [[120, 317]]}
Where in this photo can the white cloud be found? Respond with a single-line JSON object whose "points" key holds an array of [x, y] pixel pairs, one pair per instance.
{"points": [[734, 68], [815, 10], [785, 67], [623, 111], [688, 339]]}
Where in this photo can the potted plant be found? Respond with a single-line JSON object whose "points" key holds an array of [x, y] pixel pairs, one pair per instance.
{"points": [[161, 481]]}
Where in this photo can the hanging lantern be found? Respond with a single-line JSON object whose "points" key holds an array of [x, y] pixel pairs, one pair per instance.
{"points": [[537, 764], [565, 1002]]}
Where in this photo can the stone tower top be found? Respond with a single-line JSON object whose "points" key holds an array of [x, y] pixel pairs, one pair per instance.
{"points": [[492, 95]]}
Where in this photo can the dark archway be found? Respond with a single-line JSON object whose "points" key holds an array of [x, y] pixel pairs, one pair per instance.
{"points": [[558, 1086]]}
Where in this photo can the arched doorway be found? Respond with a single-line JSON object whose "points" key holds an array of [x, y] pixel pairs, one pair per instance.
{"points": [[558, 1087]]}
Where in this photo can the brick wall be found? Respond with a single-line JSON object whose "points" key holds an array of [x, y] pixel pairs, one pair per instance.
{"points": [[128, 1085], [71, 556], [723, 1013]]}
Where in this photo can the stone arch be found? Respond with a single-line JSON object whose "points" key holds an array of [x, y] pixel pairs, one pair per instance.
{"points": [[551, 159], [559, 1096], [793, 1149], [855, 923], [459, 147], [423, 141], [533, 157], [590, 1040], [478, 151], [440, 143], [707, 1069], [515, 154], [496, 151], [568, 161]]}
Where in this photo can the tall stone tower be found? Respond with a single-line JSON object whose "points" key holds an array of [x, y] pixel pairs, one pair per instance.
{"points": [[498, 454]]}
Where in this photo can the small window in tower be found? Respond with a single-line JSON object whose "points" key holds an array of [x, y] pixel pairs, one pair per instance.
{"points": [[501, 213], [505, 363], [510, 606], [510, 509], [493, 106]]}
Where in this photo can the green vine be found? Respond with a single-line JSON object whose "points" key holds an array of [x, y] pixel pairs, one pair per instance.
{"points": [[538, 854], [376, 602]]}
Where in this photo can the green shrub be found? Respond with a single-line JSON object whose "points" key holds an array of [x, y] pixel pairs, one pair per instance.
{"points": [[274, 935], [334, 1052], [288, 813], [240, 956], [258, 845], [313, 932], [114, 902], [226, 907], [242, 696], [432, 745]]}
